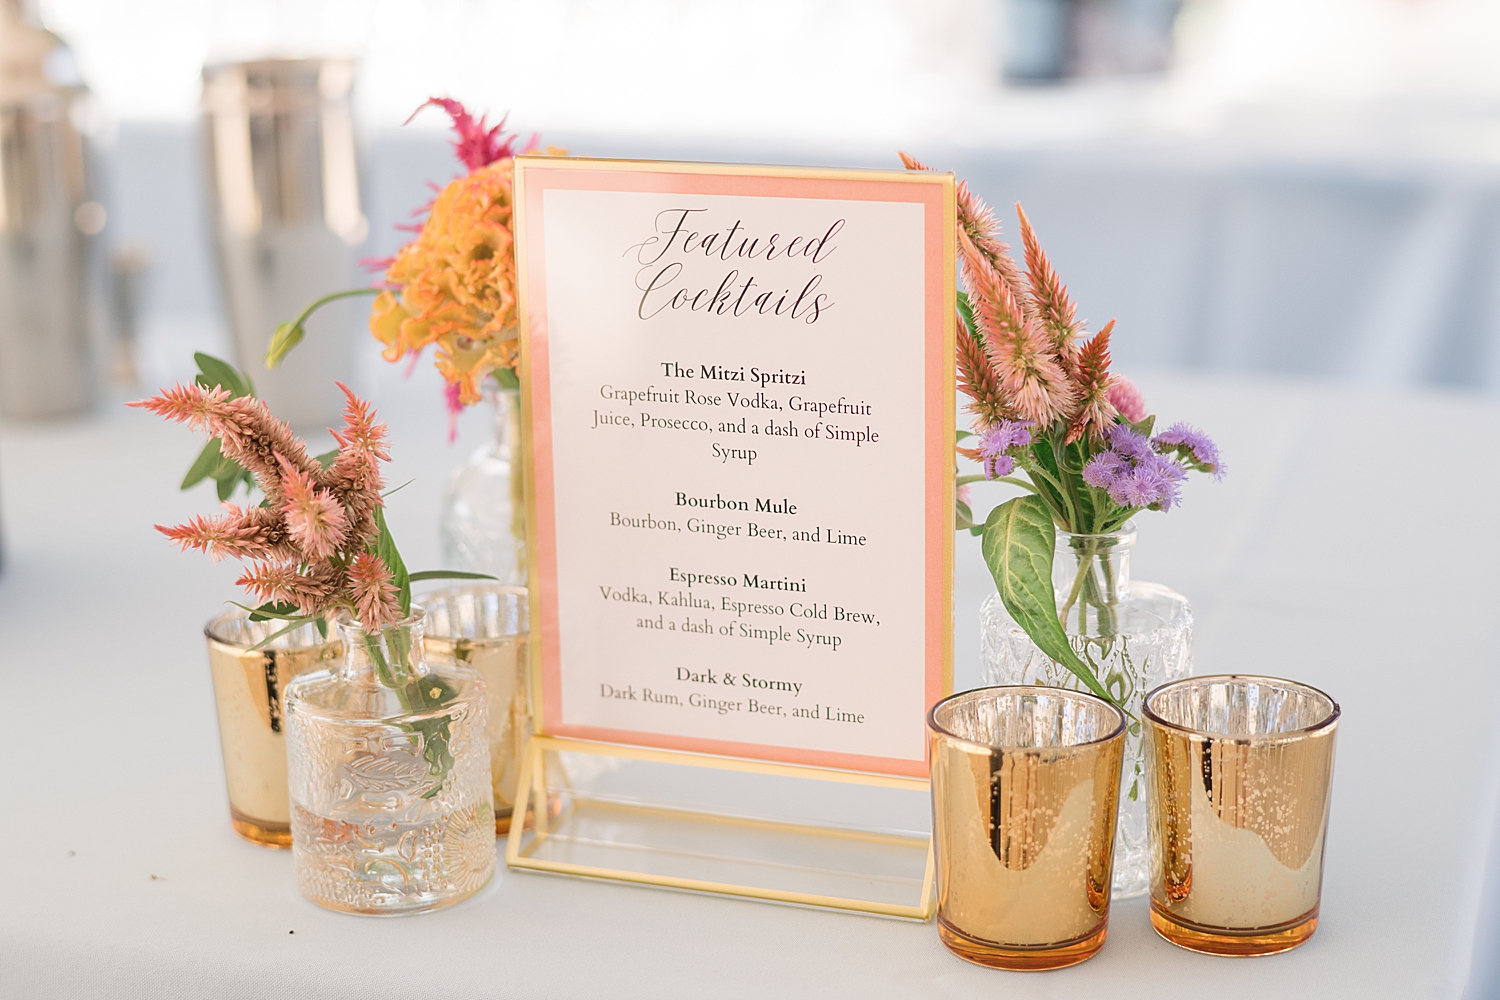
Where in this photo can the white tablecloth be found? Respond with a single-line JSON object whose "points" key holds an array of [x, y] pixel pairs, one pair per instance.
{"points": [[1349, 547]]}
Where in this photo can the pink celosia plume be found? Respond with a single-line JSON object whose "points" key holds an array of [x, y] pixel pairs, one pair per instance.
{"points": [[476, 146], [314, 519], [978, 232], [1050, 303], [372, 590], [1094, 413], [1033, 382], [317, 524], [241, 533], [1126, 398]]}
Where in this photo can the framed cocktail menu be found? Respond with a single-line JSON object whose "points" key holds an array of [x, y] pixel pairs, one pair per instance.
{"points": [[739, 442]]}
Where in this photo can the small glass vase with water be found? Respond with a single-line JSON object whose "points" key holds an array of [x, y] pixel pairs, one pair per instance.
{"points": [[1133, 635], [389, 776]]}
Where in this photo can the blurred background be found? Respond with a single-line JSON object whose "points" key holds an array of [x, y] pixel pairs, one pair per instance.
{"points": [[1307, 187]]}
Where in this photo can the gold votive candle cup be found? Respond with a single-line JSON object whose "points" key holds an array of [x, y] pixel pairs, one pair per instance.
{"points": [[1025, 793], [248, 686], [1239, 773], [486, 627]]}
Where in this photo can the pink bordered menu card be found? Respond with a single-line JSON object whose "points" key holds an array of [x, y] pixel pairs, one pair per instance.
{"points": [[739, 409]]}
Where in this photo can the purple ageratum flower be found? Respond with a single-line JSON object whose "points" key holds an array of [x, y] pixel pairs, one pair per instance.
{"points": [[1160, 465], [1193, 445], [1137, 489], [1159, 477], [1150, 482], [1126, 442], [1103, 469], [997, 441]]}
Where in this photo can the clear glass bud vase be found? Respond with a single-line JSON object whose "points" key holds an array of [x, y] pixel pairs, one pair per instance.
{"points": [[483, 524], [388, 771], [1134, 635]]}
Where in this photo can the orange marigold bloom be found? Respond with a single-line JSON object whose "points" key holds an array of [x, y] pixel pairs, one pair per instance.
{"points": [[457, 283]]}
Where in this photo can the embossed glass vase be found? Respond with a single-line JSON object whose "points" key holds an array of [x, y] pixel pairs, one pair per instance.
{"points": [[483, 524], [1135, 636], [389, 777]]}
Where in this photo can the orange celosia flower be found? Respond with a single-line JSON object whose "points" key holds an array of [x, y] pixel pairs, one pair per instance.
{"points": [[457, 283]]}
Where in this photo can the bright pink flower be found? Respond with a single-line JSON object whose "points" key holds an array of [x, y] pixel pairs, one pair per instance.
{"points": [[475, 146], [1126, 398]]}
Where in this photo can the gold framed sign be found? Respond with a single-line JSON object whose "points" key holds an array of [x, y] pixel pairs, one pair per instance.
{"points": [[738, 391]]}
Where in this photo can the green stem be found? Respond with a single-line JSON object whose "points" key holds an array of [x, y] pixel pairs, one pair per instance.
{"points": [[1037, 470], [1106, 608], [289, 335], [966, 480], [1083, 568], [1058, 455], [333, 297]]}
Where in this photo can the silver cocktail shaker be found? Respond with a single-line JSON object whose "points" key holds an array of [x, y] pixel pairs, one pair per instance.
{"points": [[282, 164], [46, 222]]}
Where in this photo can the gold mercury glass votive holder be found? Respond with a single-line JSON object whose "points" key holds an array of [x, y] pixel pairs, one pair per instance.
{"points": [[1239, 773], [248, 686], [486, 627], [1025, 794]]}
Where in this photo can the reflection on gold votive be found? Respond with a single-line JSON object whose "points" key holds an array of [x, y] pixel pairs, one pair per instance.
{"points": [[1025, 793], [248, 688], [1239, 775], [486, 627]]}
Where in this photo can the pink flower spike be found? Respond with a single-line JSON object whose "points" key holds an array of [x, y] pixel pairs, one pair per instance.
{"points": [[1126, 398], [374, 593], [314, 519], [362, 432], [188, 404], [272, 581], [476, 146]]}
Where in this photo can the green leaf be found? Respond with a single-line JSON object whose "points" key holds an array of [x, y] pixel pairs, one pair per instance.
{"points": [[960, 435], [203, 466], [1144, 426], [447, 574], [1076, 456], [287, 336], [966, 310], [1019, 540], [226, 473], [385, 548], [327, 458], [507, 378], [214, 372], [271, 609], [278, 634]]}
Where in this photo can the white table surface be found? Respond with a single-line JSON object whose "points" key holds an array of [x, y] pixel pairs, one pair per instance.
{"points": [[1349, 547]]}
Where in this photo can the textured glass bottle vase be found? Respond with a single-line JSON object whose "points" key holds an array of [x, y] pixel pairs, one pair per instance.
{"points": [[483, 525], [1134, 635], [388, 770]]}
